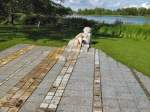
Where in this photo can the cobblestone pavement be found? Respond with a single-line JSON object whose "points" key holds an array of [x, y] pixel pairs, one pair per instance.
{"points": [[69, 79]]}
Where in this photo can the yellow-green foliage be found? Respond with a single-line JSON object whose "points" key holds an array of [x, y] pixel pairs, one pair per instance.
{"points": [[136, 32]]}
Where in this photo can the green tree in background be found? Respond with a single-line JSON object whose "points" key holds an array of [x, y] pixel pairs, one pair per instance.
{"points": [[133, 11], [39, 8]]}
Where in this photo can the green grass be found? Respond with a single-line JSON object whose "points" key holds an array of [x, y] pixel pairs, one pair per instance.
{"points": [[129, 44], [24, 39], [134, 54], [10, 36]]}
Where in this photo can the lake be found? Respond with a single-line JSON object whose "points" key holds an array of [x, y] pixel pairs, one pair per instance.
{"points": [[113, 19]]}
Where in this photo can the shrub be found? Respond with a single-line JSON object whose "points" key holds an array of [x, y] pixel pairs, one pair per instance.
{"points": [[136, 32]]}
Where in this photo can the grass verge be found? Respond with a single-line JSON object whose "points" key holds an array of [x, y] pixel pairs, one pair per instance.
{"points": [[134, 54]]}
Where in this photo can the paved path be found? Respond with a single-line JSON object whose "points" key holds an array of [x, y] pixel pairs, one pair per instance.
{"points": [[44, 79], [121, 92]]}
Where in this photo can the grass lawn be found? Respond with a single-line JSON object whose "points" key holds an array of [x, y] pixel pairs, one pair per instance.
{"points": [[10, 36], [23, 40], [133, 53]]}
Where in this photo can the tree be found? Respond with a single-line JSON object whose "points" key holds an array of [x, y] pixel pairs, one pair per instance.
{"points": [[142, 11], [37, 7], [125, 11], [1, 8], [9, 7], [148, 12]]}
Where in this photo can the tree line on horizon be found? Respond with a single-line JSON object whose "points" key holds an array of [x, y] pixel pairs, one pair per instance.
{"points": [[31, 10], [133, 11]]}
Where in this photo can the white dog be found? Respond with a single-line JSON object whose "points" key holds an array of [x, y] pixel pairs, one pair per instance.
{"points": [[84, 39]]}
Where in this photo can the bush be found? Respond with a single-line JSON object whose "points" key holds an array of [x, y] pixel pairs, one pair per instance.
{"points": [[136, 32], [44, 20], [77, 24]]}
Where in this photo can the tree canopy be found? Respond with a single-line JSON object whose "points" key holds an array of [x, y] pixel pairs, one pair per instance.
{"points": [[125, 11], [9, 8]]}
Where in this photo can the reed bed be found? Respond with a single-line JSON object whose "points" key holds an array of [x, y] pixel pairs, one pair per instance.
{"points": [[136, 32]]}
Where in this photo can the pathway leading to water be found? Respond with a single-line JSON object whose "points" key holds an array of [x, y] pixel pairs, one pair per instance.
{"points": [[44, 79]]}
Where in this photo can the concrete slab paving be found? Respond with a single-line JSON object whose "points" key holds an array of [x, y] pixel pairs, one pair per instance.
{"points": [[78, 95], [121, 87], [78, 81], [12, 50], [10, 81]]}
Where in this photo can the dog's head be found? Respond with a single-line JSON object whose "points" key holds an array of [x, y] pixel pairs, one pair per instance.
{"points": [[87, 30]]}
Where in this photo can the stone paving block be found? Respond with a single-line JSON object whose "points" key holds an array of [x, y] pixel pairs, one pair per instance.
{"points": [[50, 93], [127, 103], [81, 77], [109, 93], [110, 109], [44, 105], [82, 86], [12, 49], [73, 108], [138, 94], [145, 110], [36, 98], [74, 92], [29, 107], [130, 110], [46, 101], [11, 57], [119, 83], [124, 95], [15, 64], [123, 89], [110, 102], [142, 103]]}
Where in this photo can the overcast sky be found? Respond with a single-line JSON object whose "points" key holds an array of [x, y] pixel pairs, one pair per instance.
{"points": [[109, 4]]}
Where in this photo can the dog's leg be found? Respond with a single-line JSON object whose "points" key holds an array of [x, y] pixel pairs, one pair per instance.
{"points": [[87, 47]]}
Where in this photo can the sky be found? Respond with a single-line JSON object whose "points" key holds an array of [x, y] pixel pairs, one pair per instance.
{"points": [[109, 4]]}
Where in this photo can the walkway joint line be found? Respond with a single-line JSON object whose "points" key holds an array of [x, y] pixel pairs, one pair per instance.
{"points": [[141, 84]]}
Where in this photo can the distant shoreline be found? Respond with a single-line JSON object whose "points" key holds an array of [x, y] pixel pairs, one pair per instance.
{"points": [[114, 15], [111, 19]]}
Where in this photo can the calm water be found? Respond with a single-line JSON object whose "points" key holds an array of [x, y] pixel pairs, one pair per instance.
{"points": [[113, 19]]}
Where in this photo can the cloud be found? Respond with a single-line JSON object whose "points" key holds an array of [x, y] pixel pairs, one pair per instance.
{"points": [[74, 1], [110, 4], [146, 5]]}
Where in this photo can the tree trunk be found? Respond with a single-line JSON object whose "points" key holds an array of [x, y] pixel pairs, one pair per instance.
{"points": [[11, 19], [39, 23], [11, 16]]}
